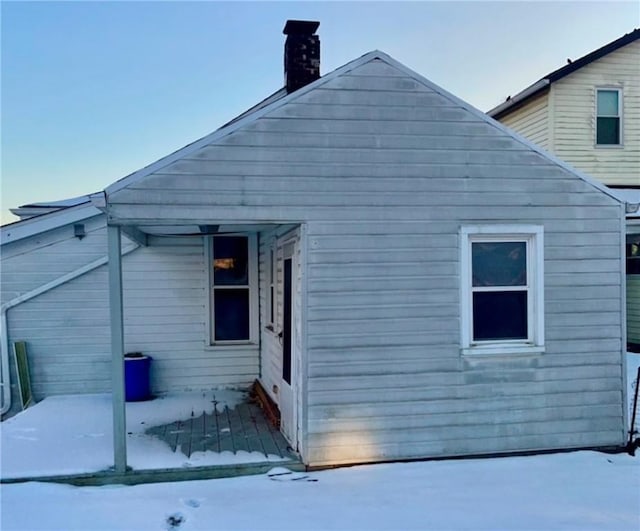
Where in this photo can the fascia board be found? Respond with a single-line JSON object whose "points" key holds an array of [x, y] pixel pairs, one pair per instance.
{"points": [[39, 224], [519, 98]]}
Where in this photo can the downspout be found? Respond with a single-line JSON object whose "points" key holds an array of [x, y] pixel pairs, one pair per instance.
{"points": [[4, 345]]}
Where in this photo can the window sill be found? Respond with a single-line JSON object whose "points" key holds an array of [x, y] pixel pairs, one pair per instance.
{"points": [[608, 146], [236, 345], [503, 350]]}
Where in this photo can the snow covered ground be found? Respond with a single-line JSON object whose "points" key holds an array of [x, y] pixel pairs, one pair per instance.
{"points": [[74, 434], [579, 491]]}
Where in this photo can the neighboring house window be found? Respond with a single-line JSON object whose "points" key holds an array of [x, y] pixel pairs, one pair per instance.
{"points": [[608, 117], [232, 283], [502, 289]]}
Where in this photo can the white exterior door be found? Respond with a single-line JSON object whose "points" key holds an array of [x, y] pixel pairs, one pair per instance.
{"points": [[286, 330]]}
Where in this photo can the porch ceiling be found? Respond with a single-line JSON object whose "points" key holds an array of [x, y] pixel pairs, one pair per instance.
{"points": [[204, 229]]}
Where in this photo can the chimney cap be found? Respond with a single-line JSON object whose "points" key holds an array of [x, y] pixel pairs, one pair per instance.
{"points": [[300, 27]]}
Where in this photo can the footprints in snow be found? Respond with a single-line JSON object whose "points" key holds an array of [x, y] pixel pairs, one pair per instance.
{"points": [[175, 520], [191, 503]]}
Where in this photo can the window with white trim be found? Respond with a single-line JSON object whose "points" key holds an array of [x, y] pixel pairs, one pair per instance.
{"points": [[608, 117], [502, 289], [232, 285]]}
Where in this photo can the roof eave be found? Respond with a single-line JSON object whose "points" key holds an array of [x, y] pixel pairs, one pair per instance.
{"points": [[519, 99], [552, 77]]}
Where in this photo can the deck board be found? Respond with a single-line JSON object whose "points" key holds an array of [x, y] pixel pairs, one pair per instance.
{"points": [[264, 429], [212, 434], [173, 430], [198, 434], [183, 442], [242, 428], [251, 431], [240, 442], [224, 431]]}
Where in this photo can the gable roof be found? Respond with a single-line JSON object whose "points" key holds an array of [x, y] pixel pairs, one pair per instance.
{"points": [[542, 84], [278, 100]]}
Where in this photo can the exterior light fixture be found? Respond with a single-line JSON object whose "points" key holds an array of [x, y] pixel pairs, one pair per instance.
{"points": [[78, 230]]}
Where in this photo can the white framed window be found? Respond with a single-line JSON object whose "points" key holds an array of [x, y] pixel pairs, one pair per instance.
{"points": [[502, 291], [608, 116], [232, 274]]}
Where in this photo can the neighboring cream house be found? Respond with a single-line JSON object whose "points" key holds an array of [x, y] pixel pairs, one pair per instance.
{"points": [[588, 114]]}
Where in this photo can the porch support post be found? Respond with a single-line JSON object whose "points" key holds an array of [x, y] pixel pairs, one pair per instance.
{"points": [[117, 350]]}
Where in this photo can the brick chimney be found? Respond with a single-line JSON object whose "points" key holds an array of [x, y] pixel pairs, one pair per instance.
{"points": [[301, 54]]}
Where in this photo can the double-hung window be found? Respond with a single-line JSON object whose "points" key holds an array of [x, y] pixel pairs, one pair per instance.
{"points": [[502, 289], [608, 117], [231, 281]]}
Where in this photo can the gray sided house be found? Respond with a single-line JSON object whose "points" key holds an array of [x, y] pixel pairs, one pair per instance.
{"points": [[405, 276]]}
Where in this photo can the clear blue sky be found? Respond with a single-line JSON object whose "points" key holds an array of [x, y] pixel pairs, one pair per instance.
{"points": [[92, 91]]}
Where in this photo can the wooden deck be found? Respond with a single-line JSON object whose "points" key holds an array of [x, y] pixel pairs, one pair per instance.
{"points": [[243, 428]]}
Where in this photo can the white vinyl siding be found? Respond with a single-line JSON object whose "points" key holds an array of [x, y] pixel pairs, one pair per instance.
{"points": [[165, 299], [165, 294], [382, 170], [29, 263]]}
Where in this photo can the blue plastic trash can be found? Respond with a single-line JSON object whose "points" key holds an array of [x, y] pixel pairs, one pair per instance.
{"points": [[137, 368]]}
